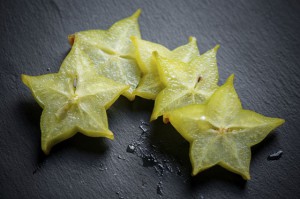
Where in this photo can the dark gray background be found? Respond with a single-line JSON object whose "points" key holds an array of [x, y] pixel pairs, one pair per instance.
{"points": [[259, 43]]}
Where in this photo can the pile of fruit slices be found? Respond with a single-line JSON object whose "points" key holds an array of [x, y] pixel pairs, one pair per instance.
{"points": [[104, 64]]}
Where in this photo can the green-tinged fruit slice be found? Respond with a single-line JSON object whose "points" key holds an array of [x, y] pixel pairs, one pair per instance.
{"points": [[112, 51], [185, 83], [150, 84], [74, 100], [221, 132]]}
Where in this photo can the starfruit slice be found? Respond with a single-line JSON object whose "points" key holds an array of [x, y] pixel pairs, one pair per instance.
{"points": [[221, 132], [150, 84], [73, 100], [185, 83], [112, 51]]}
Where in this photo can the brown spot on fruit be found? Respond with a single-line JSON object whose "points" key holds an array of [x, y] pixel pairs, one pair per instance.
{"points": [[71, 39]]}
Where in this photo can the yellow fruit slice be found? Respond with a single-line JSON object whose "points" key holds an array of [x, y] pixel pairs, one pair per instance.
{"points": [[221, 132], [112, 51], [185, 83], [74, 100], [150, 84]]}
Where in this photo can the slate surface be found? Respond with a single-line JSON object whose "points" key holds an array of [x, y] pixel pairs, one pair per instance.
{"points": [[259, 43]]}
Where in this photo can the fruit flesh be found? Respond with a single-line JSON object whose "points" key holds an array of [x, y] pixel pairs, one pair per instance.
{"points": [[185, 83], [221, 132], [150, 84], [75, 99], [112, 51]]}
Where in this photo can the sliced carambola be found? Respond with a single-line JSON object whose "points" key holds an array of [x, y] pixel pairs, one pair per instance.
{"points": [[112, 51], [150, 84], [185, 83], [74, 100], [221, 132]]}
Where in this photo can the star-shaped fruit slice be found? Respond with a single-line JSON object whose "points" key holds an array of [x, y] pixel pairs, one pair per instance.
{"points": [[221, 132], [73, 100], [150, 84], [185, 83], [112, 51]]}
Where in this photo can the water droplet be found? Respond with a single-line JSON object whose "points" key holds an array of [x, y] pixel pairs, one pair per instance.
{"points": [[130, 148], [159, 169], [118, 193], [144, 128], [161, 166], [159, 188], [275, 156], [120, 157], [102, 168], [144, 123], [149, 160], [169, 168]]}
